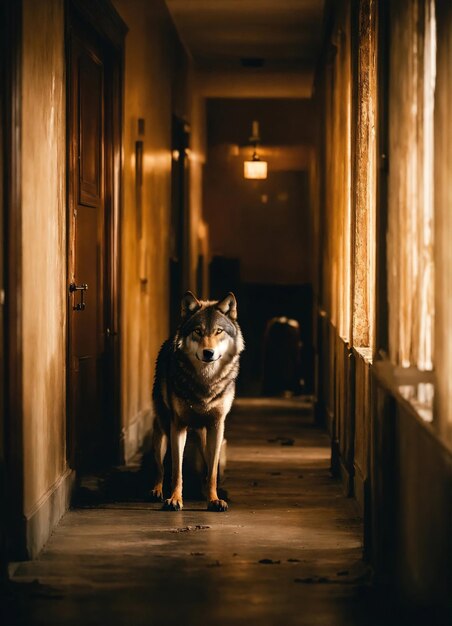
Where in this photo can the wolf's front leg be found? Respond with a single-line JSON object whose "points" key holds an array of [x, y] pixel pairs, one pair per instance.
{"points": [[178, 439], [159, 444], [214, 440]]}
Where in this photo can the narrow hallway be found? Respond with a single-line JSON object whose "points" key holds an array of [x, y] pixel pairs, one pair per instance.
{"points": [[180, 179], [287, 552]]}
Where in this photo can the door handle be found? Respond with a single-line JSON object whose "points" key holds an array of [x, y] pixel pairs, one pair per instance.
{"points": [[82, 288]]}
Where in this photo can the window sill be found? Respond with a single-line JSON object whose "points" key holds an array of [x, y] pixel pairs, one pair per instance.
{"points": [[365, 354], [413, 390]]}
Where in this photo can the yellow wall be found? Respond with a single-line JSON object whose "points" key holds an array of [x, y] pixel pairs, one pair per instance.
{"points": [[43, 248], [157, 83]]}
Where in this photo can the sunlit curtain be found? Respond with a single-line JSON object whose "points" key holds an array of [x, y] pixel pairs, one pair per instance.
{"points": [[410, 219]]}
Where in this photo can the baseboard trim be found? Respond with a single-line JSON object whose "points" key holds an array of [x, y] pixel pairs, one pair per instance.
{"points": [[134, 434], [47, 512]]}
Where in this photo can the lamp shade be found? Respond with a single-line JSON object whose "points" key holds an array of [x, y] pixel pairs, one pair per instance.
{"points": [[255, 169]]}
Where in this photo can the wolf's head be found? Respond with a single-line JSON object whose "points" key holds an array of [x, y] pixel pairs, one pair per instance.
{"points": [[209, 332]]}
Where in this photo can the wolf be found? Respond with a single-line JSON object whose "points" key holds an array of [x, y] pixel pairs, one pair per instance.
{"points": [[194, 388]]}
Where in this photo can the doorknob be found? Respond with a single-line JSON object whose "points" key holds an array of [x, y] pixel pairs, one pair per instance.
{"points": [[82, 288]]}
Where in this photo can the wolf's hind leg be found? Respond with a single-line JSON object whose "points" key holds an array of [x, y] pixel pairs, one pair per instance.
{"points": [[160, 444]]}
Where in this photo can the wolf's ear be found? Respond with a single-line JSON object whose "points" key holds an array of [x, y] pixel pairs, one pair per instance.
{"points": [[189, 305], [228, 306]]}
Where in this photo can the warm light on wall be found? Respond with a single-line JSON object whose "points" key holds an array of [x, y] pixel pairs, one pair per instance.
{"points": [[255, 168]]}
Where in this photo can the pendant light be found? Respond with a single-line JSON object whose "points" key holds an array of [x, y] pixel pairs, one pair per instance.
{"points": [[255, 169]]}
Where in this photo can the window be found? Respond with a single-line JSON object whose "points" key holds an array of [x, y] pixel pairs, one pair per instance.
{"points": [[410, 219]]}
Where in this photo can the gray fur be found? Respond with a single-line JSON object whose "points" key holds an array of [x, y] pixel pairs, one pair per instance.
{"points": [[190, 392]]}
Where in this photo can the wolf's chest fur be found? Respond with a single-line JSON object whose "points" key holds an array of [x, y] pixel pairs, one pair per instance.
{"points": [[183, 390], [197, 369]]}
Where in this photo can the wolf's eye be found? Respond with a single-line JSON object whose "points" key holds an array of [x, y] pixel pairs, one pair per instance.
{"points": [[198, 332], [219, 331]]}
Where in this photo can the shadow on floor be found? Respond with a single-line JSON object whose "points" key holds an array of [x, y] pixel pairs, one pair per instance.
{"points": [[132, 483]]}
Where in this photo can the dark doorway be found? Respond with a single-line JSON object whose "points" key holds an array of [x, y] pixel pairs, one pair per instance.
{"points": [[94, 125], [11, 441], [179, 222]]}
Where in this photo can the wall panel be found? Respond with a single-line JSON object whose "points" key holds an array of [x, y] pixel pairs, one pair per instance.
{"points": [[43, 262]]}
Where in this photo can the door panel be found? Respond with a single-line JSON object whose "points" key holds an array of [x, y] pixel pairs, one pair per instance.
{"points": [[87, 253], [90, 87], [88, 269]]}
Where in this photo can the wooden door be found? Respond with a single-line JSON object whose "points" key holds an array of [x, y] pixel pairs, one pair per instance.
{"points": [[92, 251]]}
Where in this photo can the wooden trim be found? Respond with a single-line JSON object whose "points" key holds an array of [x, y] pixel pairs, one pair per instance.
{"points": [[382, 130], [114, 255], [103, 17], [70, 424], [12, 51], [354, 116]]}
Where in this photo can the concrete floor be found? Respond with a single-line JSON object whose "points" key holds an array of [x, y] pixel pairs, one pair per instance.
{"points": [[287, 552]]}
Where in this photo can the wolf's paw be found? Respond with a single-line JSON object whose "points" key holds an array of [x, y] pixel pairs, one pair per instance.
{"points": [[156, 495], [220, 506], [173, 504]]}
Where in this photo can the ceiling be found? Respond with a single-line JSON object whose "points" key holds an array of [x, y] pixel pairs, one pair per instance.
{"points": [[223, 35]]}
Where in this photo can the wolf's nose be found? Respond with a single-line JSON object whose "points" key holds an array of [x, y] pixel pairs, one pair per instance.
{"points": [[208, 354]]}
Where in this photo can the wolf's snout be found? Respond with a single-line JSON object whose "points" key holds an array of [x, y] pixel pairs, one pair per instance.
{"points": [[207, 354]]}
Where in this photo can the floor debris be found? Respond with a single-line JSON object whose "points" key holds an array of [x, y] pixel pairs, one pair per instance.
{"points": [[284, 441], [187, 529]]}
